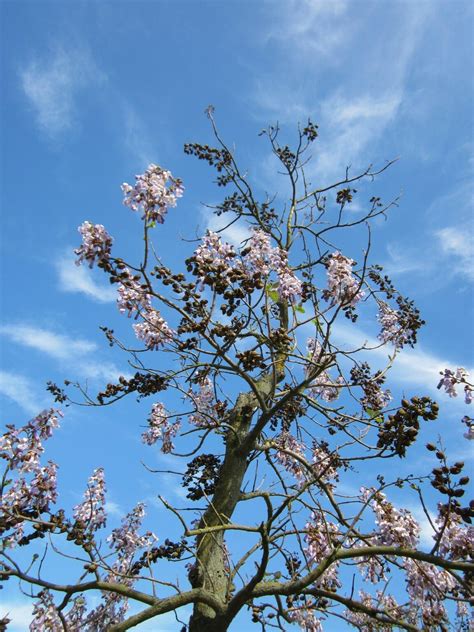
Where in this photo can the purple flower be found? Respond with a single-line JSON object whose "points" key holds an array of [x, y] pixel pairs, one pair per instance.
{"points": [[159, 427], [204, 402], [154, 331], [96, 244], [343, 288], [392, 329], [132, 295], [91, 511], [151, 195]]}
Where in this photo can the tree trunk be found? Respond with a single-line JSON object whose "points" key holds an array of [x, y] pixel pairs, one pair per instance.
{"points": [[211, 571]]}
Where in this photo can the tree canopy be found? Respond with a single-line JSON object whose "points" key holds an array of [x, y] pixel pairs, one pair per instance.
{"points": [[290, 439]]}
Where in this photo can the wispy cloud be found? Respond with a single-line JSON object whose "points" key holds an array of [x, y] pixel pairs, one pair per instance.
{"points": [[136, 137], [20, 390], [95, 370], [80, 353], [235, 233], [57, 346], [52, 83], [354, 112], [74, 278], [412, 367], [20, 614], [314, 26], [457, 244]]}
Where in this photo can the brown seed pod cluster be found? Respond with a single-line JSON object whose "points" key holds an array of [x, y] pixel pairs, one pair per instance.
{"points": [[400, 430]]}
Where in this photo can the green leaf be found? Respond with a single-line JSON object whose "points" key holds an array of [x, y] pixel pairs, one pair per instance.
{"points": [[273, 295], [375, 415], [299, 309]]}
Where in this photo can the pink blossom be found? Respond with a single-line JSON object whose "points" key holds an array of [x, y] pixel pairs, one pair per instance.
{"points": [[290, 288], [306, 618], [322, 386], [392, 330], [286, 441], [96, 244], [204, 402], [457, 539], [396, 527], [154, 331], [321, 537], [323, 464], [161, 428], [451, 379], [125, 540], [132, 295], [428, 587], [262, 258], [91, 511], [343, 288], [151, 195], [214, 256], [379, 601], [45, 615]]}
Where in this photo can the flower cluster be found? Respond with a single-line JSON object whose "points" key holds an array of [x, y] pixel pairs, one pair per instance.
{"points": [[216, 264], [204, 402], [261, 258], [286, 442], [395, 527], [125, 540], [307, 620], [321, 536], [96, 244], [132, 295], [159, 427], [322, 386], [381, 602], [151, 195], [392, 330], [45, 615], [154, 331], [324, 463], [91, 512], [451, 379], [33, 491], [214, 257], [457, 540], [428, 587], [343, 288]]}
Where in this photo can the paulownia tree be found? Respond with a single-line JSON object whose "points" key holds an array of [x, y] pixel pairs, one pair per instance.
{"points": [[271, 414]]}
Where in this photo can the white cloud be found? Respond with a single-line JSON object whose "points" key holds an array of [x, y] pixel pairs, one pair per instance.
{"points": [[20, 614], [136, 137], [457, 243], [74, 278], [58, 346], [100, 370], [313, 26], [349, 127], [113, 509], [235, 233], [20, 390], [412, 367], [51, 84]]}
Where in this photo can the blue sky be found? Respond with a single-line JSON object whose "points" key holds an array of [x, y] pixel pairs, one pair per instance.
{"points": [[94, 91]]}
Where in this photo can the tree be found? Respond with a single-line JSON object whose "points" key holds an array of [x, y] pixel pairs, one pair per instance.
{"points": [[268, 411]]}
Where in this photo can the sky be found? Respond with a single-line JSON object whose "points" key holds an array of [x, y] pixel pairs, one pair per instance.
{"points": [[92, 92]]}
